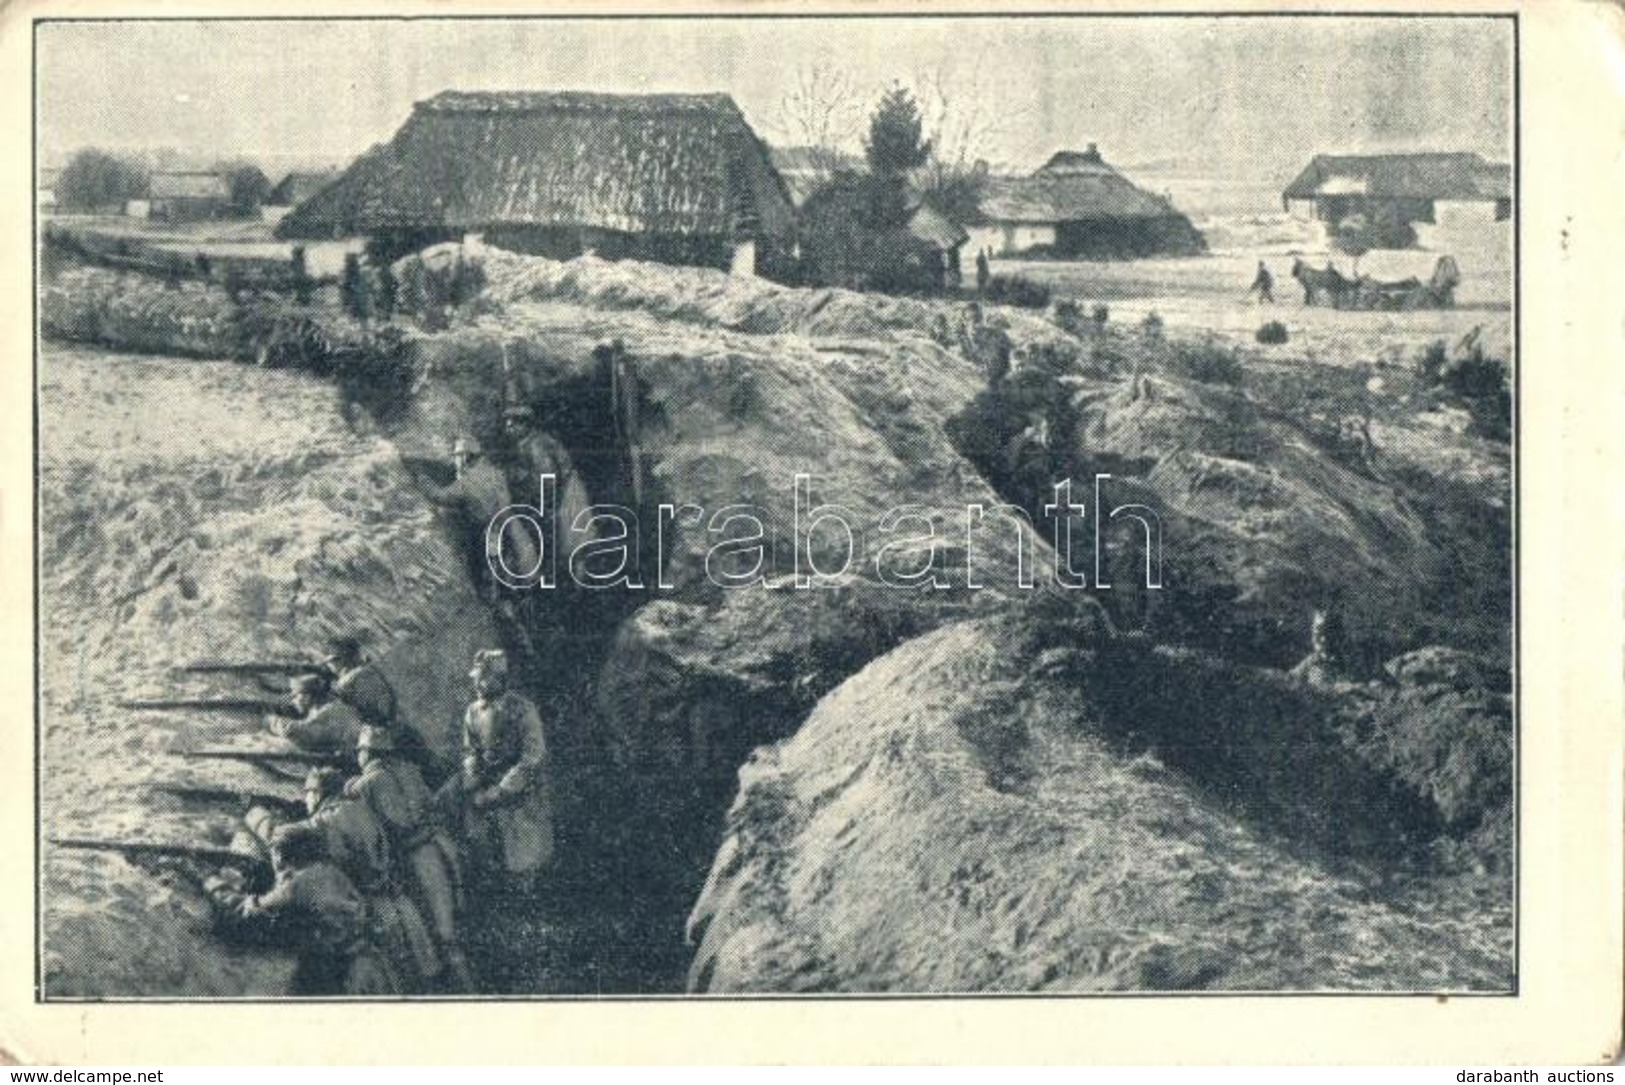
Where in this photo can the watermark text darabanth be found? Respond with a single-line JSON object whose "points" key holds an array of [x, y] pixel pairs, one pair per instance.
{"points": [[606, 545]]}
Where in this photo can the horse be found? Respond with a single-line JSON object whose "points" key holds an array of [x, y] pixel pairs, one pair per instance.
{"points": [[1329, 284]]}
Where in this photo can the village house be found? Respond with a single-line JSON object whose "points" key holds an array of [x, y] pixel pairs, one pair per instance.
{"points": [[677, 178], [838, 245], [175, 196], [1438, 196], [807, 169], [294, 189], [1076, 206], [299, 186]]}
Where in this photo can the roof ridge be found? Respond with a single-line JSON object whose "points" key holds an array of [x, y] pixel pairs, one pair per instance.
{"points": [[519, 101], [1400, 154]]}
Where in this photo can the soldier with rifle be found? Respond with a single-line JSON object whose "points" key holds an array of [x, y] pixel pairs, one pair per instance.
{"points": [[212, 704], [261, 670], [358, 846], [325, 725], [314, 906], [283, 764], [360, 683], [252, 869], [506, 818], [473, 501], [392, 788], [288, 808]]}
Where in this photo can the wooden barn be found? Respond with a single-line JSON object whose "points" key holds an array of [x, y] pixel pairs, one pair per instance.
{"points": [[176, 196], [1418, 194], [678, 178], [1076, 206]]}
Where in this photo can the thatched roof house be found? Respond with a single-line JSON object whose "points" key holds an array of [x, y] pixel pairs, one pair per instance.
{"points": [[1407, 188], [675, 177], [1076, 205], [807, 169], [299, 186]]}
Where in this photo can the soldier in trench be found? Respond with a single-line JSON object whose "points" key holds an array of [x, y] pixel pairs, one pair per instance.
{"points": [[547, 616], [392, 788], [358, 845], [325, 725], [474, 500], [502, 793], [1324, 664], [359, 683], [313, 907]]}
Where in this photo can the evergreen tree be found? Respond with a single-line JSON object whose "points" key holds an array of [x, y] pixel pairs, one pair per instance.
{"points": [[896, 145]]}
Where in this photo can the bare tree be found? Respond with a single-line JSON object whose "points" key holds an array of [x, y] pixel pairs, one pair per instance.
{"points": [[965, 119], [824, 111]]}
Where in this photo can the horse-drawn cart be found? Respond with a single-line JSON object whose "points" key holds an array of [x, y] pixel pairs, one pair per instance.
{"points": [[1330, 287]]}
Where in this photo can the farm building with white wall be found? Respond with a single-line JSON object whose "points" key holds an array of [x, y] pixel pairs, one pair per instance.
{"points": [[1076, 206], [1446, 198]]}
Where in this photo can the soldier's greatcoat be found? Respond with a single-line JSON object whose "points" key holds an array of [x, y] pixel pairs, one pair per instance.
{"points": [[365, 689], [333, 728], [393, 789], [321, 911], [504, 749]]}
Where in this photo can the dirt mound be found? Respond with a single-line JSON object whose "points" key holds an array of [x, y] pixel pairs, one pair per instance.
{"points": [[728, 419], [1444, 725], [712, 298], [951, 819], [1262, 523], [189, 510], [139, 313]]}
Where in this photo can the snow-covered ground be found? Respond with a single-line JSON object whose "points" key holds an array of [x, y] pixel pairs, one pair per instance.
{"points": [[1209, 293]]}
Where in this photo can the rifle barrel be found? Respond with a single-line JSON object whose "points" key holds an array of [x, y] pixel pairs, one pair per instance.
{"points": [[210, 852], [210, 666], [230, 795], [223, 704], [295, 757]]}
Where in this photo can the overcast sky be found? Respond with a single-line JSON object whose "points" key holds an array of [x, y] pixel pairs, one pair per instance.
{"points": [[1244, 98]]}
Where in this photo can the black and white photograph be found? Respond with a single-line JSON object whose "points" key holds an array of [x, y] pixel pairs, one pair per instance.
{"points": [[722, 506]]}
